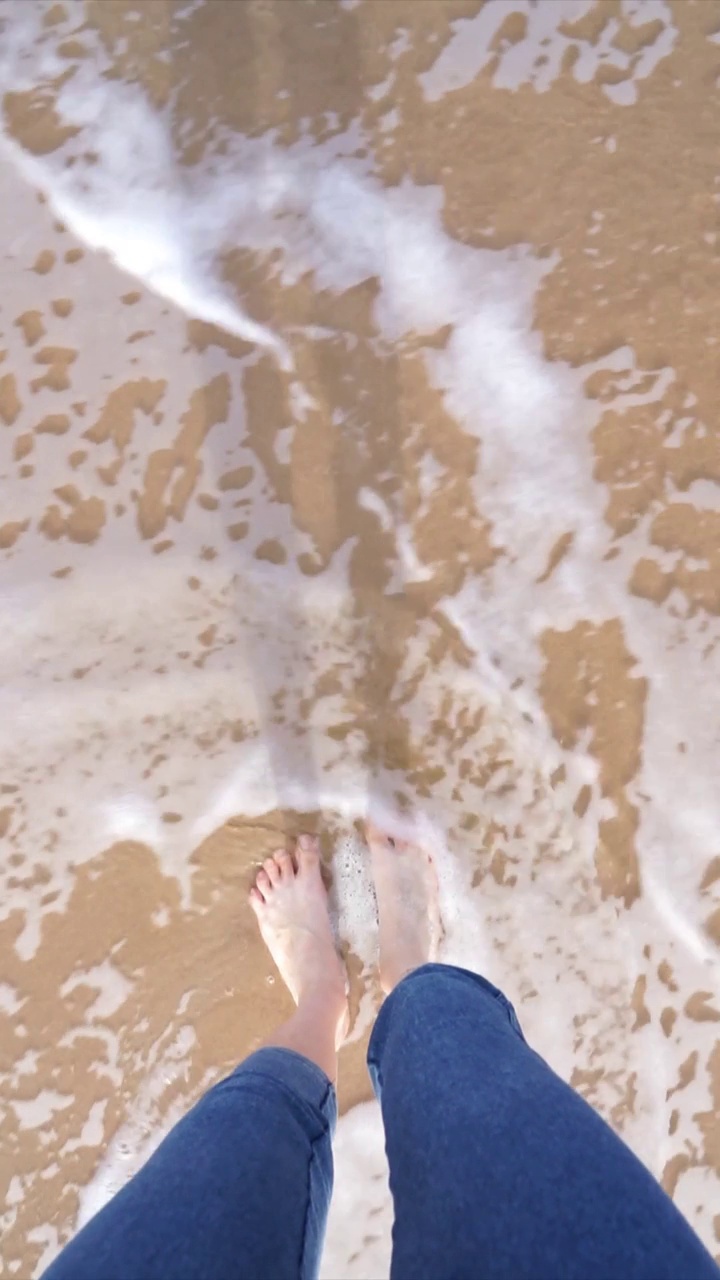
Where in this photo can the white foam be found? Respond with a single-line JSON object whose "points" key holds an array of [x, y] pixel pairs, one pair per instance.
{"points": [[323, 215], [538, 56], [358, 1241], [354, 897], [34, 1113], [10, 999], [112, 986], [165, 239], [47, 1236], [136, 1139], [93, 1130]]}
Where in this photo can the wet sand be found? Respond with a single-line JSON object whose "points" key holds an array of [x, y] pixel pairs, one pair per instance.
{"points": [[416, 509]]}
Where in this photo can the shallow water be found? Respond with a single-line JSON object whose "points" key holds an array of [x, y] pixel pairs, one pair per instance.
{"points": [[359, 452]]}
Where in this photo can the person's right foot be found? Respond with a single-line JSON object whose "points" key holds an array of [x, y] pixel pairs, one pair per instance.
{"points": [[408, 908]]}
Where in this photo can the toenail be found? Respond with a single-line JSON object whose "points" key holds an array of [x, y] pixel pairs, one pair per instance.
{"points": [[306, 842]]}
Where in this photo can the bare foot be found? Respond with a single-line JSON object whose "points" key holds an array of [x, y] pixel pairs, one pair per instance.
{"points": [[292, 911], [407, 895]]}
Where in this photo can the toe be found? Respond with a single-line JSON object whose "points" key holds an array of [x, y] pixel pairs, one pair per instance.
{"points": [[284, 864], [272, 870], [262, 882], [256, 899], [308, 852]]}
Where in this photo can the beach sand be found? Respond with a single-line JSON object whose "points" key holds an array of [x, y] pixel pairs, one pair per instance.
{"points": [[359, 453]]}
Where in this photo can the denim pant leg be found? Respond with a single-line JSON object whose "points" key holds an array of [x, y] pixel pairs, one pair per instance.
{"points": [[497, 1168], [240, 1188]]}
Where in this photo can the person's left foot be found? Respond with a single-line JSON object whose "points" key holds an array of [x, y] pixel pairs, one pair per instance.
{"points": [[291, 905]]}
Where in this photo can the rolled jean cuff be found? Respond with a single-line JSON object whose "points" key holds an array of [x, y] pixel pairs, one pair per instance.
{"points": [[293, 1072]]}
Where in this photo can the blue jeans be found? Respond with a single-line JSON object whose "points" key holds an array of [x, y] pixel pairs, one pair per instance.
{"points": [[497, 1168]]}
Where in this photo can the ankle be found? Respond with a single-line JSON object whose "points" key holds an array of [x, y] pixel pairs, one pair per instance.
{"points": [[324, 1009], [327, 994]]}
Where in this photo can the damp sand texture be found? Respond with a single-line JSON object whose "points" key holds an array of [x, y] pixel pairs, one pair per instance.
{"points": [[358, 452]]}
